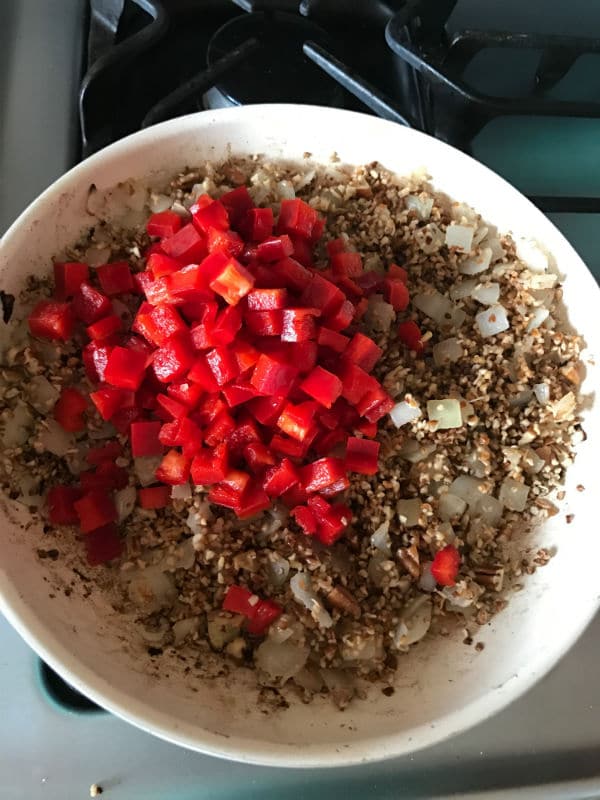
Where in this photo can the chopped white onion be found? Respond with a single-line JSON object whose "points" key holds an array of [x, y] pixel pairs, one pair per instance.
{"points": [[480, 234], [447, 351], [537, 318], [380, 539], [409, 512], [445, 413], [279, 569], [362, 647], [405, 411], [487, 293], [55, 439], [181, 491], [427, 583], [184, 628], [41, 394], [159, 203], [522, 398], [461, 290], [468, 488], [415, 622], [286, 190], [488, 509], [415, 451], [563, 409], [532, 463], [513, 494], [281, 630], [145, 468], [303, 592], [151, 589], [125, 502], [379, 315], [451, 506], [542, 393], [492, 321], [435, 305], [421, 204], [460, 237], [531, 254], [476, 264]]}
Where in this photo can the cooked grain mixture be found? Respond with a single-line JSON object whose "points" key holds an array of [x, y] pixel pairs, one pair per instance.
{"points": [[481, 433]]}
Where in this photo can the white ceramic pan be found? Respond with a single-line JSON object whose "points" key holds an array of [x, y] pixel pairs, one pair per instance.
{"points": [[443, 686]]}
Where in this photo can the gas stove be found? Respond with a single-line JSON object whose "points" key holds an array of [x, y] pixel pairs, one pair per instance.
{"points": [[516, 85]]}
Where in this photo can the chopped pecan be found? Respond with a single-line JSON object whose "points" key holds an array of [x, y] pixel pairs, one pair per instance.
{"points": [[491, 576], [409, 558], [341, 598]]}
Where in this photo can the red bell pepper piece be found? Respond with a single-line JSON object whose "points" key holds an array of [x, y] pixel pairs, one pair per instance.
{"points": [[51, 320], [396, 294], [375, 404], [190, 437], [125, 368], [332, 339], [296, 216], [174, 469], [159, 324], [160, 265], [171, 407], [298, 421], [233, 282], [237, 202], [60, 503], [272, 377], [342, 317], [245, 354], [90, 305], [283, 445], [68, 277], [169, 433], [228, 242], [280, 478], [304, 354], [185, 392], [305, 519], [163, 224], [257, 224], [336, 246], [210, 466], [144, 439], [201, 374], [187, 245], [107, 400], [361, 309], [212, 215], [246, 431], [335, 522], [368, 429], [222, 364], [95, 358], [106, 476], [323, 294], [237, 480], [106, 452], [103, 545], [323, 386], [191, 282], [123, 417], [253, 501], [266, 612], [69, 408], [363, 352], [264, 323], [289, 273], [95, 509], [154, 496], [355, 382], [267, 299], [335, 488], [349, 264], [239, 600], [396, 272], [298, 324], [224, 496], [115, 278], [445, 565], [349, 287], [303, 250], [410, 334], [322, 473], [362, 455], [173, 360], [238, 392], [267, 409], [104, 328], [258, 456], [219, 429], [326, 443], [274, 248]]}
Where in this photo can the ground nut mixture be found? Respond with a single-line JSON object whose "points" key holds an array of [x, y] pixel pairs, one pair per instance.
{"points": [[495, 354]]}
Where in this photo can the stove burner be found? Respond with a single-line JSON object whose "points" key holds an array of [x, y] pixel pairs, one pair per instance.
{"points": [[278, 72]]}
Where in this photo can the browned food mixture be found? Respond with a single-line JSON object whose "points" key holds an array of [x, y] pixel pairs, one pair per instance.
{"points": [[353, 609]]}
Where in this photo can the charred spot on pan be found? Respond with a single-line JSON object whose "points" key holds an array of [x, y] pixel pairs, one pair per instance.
{"points": [[155, 651], [8, 303]]}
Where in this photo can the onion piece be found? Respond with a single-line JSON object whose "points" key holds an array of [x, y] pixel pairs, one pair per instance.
{"points": [[404, 412], [476, 264], [513, 494], [427, 583], [362, 647], [285, 190], [54, 438], [181, 491], [184, 628], [409, 512], [532, 255], [538, 317], [447, 351], [451, 506], [421, 204], [380, 539], [303, 592], [445, 413], [468, 488], [488, 509], [151, 589], [159, 202], [379, 315], [486, 294], [464, 289], [145, 468], [460, 237], [280, 660], [492, 321], [415, 622], [542, 393], [279, 569], [125, 502], [564, 408], [415, 451], [223, 628]]}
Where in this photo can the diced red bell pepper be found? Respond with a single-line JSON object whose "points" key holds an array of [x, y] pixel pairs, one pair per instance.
{"points": [[273, 377], [257, 224], [375, 404], [144, 439], [295, 497], [108, 400], [349, 287], [106, 452], [296, 216], [172, 361], [123, 417], [90, 305], [298, 324], [280, 478], [159, 324], [133, 342], [289, 273], [368, 429], [190, 437], [145, 397], [264, 323], [305, 519], [125, 368], [285, 446], [397, 272], [233, 282], [222, 364], [169, 433], [363, 352], [258, 456], [228, 242], [336, 246], [223, 495], [355, 382], [60, 503], [154, 496], [219, 429], [267, 299], [362, 455], [68, 277], [163, 224], [332, 339], [95, 509], [349, 264], [303, 250], [212, 215], [445, 565], [160, 265], [185, 392], [191, 282], [371, 282], [360, 309], [201, 374], [104, 328], [265, 613], [323, 386], [238, 392], [174, 469], [335, 488], [51, 320], [253, 501], [323, 294], [304, 354], [342, 317], [333, 526], [210, 466], [410, 334], [103, 545], [297, 421], [245, 354], [274, 248], [237, 480], [267, 409], [237, 202], [115, 278], [239, 600], [157, 290], [326, 444], [246, 431], [187, 245], [396, 294], [69, 408], [107, 476], [322, 473]]}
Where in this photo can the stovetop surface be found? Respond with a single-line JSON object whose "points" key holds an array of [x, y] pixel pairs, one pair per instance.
{"points": [[545, 745]]}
